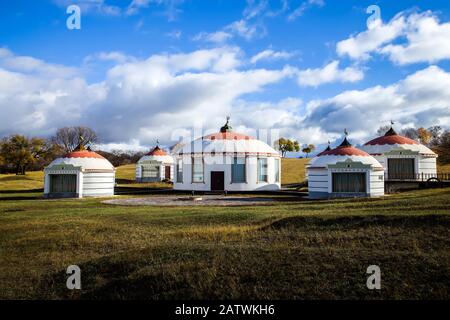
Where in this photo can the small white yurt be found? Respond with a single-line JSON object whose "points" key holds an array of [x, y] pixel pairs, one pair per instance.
{"points": [[402, 157], [157, 165], [344, 171], [80, 173], [227, 161]]}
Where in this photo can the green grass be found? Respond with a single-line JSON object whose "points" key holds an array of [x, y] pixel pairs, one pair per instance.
{"points": [[300, 249]]}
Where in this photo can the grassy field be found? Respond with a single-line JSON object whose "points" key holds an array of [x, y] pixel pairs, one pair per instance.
{"points": [[288, 250]]}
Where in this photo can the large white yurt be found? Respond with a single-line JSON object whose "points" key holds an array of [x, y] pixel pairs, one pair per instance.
{"points": [[344, 171], [402, 157], [227, 161], [80, 173], [157, 165]]}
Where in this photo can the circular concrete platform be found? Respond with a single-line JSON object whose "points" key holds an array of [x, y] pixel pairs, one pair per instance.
{"points": [[205, 200]]}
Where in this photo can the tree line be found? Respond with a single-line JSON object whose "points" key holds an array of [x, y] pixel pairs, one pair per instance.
{"points": [[434, 137], [19, 153]]}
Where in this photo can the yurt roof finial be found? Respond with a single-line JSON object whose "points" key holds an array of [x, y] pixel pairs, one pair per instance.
{"points": [[328, 147], [391, 131], [226, 127], [345, 143], [81, 144]]}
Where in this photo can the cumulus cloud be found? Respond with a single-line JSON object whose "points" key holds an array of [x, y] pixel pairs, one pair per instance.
{"points": [[142, 100], [271, 55], [329, 73], [34, 66], [421, 99], [161, 97], [360, 46], [426, 40]]}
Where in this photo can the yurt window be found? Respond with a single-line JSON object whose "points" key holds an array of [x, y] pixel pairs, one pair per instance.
{"points": [[262, 170], [277, 170], [354, 182], [401, 169], [150, 171], [180, 170], [63, 183], [197, 169], [238, 170]]}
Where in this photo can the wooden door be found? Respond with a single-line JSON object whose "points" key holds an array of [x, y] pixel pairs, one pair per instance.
{"points": [[167, 172]]}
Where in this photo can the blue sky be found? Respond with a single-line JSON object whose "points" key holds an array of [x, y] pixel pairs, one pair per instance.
{"points": [[140, 70]]}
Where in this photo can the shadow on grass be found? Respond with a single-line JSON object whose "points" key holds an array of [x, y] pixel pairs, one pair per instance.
{"points": [[414, 264], [360, 222]]}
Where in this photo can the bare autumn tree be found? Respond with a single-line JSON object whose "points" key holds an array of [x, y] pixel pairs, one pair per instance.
{"points": [[382, 130], [68, 138]]}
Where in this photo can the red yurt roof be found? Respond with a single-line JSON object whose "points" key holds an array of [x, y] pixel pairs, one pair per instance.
{"points": [[391, 137], [157, 151], [83, 154], [227, 136], [344, 149]]}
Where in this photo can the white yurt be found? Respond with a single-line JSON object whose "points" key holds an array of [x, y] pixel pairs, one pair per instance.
{"points": [[402, 157], [80, 173], [227, 161], [344, 171], [157, 165]]}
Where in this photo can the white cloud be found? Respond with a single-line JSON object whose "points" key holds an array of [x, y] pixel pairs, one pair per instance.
{"points": [[114, 56], [91, 6], [215, 37], [245, 29], [144, 99], [421, 99], [360, 45], [426, 40], [136, 5], [300, 10], [32, 65], [140, 101], [270, 55], [329, 73]]}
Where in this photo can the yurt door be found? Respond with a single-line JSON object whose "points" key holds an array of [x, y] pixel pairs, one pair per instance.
{"points": [[63, 183], [402, 169], [167, 172], [217, 181]]}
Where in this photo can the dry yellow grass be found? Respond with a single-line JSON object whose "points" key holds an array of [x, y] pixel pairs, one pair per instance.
{"points": [[444, 168], [293, 170]]}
